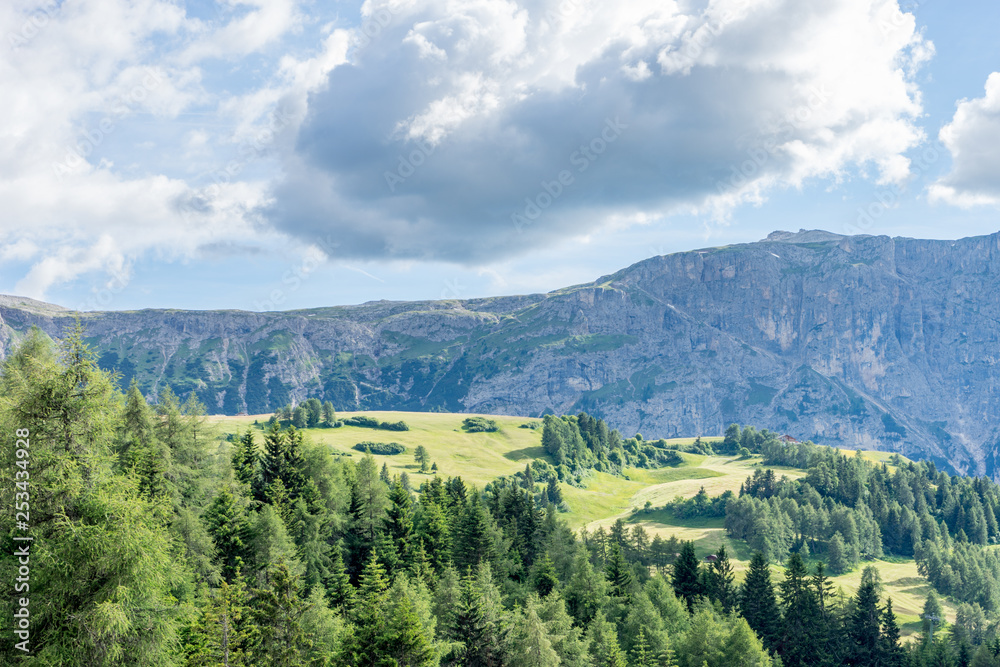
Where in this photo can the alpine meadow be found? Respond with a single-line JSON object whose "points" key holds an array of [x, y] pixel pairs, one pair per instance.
{"points": [[478, 333]]}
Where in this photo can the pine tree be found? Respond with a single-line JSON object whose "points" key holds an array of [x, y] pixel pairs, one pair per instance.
{"points": [[544, 577], [604, 648], [278, 611], [479, 622], [892, 652], [224, 632], [246, 458], [229, 527], [399, 525], [619, 573], [802, 620], [722, 586], [552, 492], [864, 628], [686, 577], [532, 646], [384, 475]]}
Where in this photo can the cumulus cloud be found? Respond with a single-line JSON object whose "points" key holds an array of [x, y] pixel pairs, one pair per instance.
{"points": [[971, 138], [465, 130], [79, 76]]}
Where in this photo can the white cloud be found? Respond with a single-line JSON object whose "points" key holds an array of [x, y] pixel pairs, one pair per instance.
{"points": [[972, 137], [452, 118], [85, 78]]}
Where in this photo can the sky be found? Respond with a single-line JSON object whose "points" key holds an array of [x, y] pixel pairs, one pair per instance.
{"points": [[283, 154]]}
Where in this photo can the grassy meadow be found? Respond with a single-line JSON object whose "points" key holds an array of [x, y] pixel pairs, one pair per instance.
{"points": [[480, 457]]}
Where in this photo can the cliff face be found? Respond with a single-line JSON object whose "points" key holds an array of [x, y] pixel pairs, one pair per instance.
{"points": [[865, 340]]}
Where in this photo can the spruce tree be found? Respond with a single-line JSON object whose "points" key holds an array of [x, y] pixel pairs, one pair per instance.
{"points": [[604, 648], [686, 577], [619, 574], [802, 626], [722, 580], [532, 646], [864, 627], [893, 654], [246, 458], [544, 577], [277, 612], [479, 622], [229, 527], [399, 525]]}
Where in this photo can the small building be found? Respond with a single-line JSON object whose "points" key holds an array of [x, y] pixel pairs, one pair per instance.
{"points": [[711, 558], [788, 440]]}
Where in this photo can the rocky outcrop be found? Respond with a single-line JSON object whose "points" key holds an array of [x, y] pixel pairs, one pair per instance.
{"points": [[887, 343]]}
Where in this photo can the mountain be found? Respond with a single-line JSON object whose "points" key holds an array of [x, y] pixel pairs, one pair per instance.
{"points": [[860, 341]]}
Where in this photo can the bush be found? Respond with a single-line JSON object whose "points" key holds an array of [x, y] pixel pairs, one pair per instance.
{"points": [[480, 425], [370, 422], [381, 448]]}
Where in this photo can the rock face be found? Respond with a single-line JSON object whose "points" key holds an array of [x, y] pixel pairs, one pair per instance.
{"points": [[886, 343]]}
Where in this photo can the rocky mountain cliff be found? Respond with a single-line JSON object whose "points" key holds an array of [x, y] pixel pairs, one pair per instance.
{"points": [[887, 343]]}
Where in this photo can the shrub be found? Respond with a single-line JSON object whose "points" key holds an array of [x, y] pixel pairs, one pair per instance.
{"points": [[480, 425], [381, 448], [370, 422]]}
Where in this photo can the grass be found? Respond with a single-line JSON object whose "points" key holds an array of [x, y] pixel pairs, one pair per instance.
{"points": [[477, 457], [481, 457]]}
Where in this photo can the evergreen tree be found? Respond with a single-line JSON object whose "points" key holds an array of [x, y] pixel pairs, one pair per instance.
{"points": [[278, 612], [619, 573], [892, 652], [479, 623], [604, 648], [532, 646], [246, 459], [384, 631], [422, 457], [223, 632], [585, 591], [686, 578], [865, 627], [544, 577], [721, 580], [800, 611], [229, 527], [399, 525], [552, 492]]}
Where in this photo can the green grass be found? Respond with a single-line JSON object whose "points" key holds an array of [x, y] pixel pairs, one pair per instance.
{"points": [[481, 457], [477, 457]]}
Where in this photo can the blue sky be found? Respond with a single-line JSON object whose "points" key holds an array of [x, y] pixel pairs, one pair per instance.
{"points": [[277, 154]]}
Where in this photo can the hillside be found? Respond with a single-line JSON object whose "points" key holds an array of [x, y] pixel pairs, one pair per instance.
{"points": [[864, 341], [482, 457]]}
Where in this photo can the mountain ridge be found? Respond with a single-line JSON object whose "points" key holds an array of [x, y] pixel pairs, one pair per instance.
{"points": [[861, 341]]}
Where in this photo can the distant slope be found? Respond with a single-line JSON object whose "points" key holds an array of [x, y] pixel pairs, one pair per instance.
{"points": [[864, 341]]}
